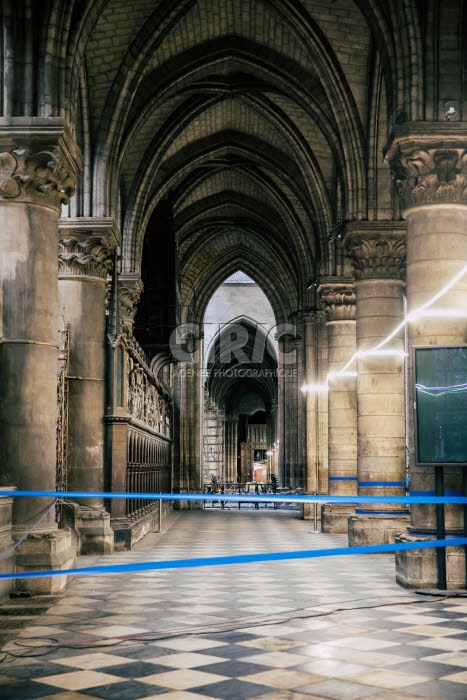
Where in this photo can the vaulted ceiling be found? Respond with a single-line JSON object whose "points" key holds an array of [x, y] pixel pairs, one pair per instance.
{"points": [[263, 120]]}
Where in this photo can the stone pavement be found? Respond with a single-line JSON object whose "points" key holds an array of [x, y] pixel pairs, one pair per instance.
{"points": [[334, 627]]}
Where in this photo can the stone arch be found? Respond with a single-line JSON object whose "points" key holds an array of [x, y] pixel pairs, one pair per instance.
{"points": [[243, 319], [282, 296]]}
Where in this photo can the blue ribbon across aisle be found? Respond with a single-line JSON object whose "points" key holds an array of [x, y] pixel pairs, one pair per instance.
{"points": [[241, 558]]}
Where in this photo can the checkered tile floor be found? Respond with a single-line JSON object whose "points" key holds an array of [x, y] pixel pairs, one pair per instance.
{"points": [[237, 632]]}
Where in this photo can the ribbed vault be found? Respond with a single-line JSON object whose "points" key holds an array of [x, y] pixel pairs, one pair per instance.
{"points": [[261, 121], [242, 118], [209, 268]]}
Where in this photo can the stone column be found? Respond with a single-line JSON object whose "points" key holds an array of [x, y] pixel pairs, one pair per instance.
{"points": [[322, 405], [311, 411], [37, 175], [299, 370], [7, 561], [85, 257], [292, 417], [282, 474], [187, 468], [377, 250], [234, 473], [338, 297], [226, 448], [231, 450], [431, 183]]}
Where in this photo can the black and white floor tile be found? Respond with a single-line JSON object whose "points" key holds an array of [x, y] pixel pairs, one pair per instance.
{"points": [[293, 630]]}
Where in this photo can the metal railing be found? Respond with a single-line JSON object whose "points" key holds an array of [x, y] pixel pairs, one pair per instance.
{"points": [[251, 489]]}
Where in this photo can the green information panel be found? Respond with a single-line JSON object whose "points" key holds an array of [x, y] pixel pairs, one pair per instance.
{"points": [[441, 405]]}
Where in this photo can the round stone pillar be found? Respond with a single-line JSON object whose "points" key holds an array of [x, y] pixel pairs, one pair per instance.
{"points": [[85, 258], [282, 475], [228, 440], [432, 190], [187, 386], [226, 451], [231, 451], [38, 166], [338, 298], [377, 250], [298, 381], [311, 362], [234, 450], [290, 414], [313, 395]]}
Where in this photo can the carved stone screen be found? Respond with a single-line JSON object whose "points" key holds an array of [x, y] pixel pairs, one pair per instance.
{"points": [[441, 405]]}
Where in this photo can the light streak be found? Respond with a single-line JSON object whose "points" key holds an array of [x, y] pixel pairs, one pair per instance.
{"points": [[381, 353], [443, 390], [318, 388], [341, 373], [414, 315], [441, 313]]}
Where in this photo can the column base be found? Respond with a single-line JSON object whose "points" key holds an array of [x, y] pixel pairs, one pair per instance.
{"points": [[7, 564], [128, 531], [418, 569], [188, 505], [334, 518], [307, 512], [376, 529], [97, 537], [45, 551], [91, 531]]}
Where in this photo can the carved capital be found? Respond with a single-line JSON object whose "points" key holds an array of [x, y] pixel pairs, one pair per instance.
{"points": [[130, 288], [338, 300], [377, 251], [430, 176], [91, 257], [86, 247], [38, 162], [315, 317], [428, 163]]}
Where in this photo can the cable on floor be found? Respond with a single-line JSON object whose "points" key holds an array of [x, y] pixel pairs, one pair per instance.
{"points": [[148, 637]]}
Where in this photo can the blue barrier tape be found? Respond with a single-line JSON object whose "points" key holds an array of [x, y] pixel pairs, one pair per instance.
{"points": [[361, 511], [243, 498], [237, 559]]}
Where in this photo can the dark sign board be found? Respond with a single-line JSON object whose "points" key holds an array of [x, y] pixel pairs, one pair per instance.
{"points": [[441, 405]]}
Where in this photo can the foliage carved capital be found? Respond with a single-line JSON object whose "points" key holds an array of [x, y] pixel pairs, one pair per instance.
{"points": [[314, 316], [424, 175], [38, 162], [90, 257], [377, 255], [338, 300]]}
